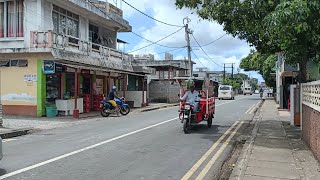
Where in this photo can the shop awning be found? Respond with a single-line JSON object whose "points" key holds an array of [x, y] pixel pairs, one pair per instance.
{"points": [[98, 69]]}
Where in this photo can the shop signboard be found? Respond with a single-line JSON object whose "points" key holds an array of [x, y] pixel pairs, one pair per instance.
{"points": [[30, 77], [85, 72], [99, 86], [60, 68], [48, 67]]}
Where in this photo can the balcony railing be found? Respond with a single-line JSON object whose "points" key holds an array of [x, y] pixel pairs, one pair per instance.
{"points": [[58, 41]]}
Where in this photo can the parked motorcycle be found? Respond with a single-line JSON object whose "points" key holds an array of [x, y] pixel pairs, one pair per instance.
{"points": [[106, 107]]}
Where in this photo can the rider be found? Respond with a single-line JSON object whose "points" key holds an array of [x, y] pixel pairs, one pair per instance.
{"points": [[192, 96], [261, 92], [111, 97]]}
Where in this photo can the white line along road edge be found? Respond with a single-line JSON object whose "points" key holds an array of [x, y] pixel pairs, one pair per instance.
{"points": [[80, 150]]}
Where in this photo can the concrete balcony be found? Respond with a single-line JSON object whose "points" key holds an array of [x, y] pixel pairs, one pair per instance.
{"points": [[75, 50], [92, 12]]}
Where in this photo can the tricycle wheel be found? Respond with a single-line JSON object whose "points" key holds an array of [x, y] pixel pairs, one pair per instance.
{"points": [[209, 121], [186, 126]]}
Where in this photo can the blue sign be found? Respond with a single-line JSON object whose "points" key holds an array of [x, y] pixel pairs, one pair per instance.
{"points": [[48, 67]]}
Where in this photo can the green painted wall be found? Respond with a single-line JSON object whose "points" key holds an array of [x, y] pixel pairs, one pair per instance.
{"points": [[41, 90]]}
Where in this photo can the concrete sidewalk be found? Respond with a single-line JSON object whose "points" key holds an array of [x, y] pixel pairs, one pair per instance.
{"points": [[275, 150]]}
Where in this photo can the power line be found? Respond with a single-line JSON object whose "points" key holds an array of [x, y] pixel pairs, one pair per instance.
{"points": [[150, 16], [205, 51], [170, 50], [136, 33], [212, 41], [197, 58], [156, 41]]}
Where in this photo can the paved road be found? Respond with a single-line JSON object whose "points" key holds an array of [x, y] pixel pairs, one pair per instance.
{"points": [[148, 145]]}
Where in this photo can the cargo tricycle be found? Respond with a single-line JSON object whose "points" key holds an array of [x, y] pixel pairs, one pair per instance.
{"points": [[206, 109]]}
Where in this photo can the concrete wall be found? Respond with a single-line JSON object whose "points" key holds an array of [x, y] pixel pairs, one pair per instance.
{"points": [[163, 91], [136, 97], [18, 96], [311, 129]]}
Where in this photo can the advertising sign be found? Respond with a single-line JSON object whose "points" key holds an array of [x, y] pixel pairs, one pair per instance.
{"points": [[48, 67]]}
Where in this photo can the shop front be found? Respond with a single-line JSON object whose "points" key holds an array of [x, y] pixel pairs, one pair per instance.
{"points": [[70, 89]]}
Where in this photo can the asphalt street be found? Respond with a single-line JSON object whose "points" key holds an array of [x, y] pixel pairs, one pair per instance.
{"points": [[149, 145]]}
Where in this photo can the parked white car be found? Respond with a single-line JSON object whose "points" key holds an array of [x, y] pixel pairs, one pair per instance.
{"points": [[225, 92]]}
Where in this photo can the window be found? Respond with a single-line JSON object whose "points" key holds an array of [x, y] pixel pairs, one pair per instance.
{"points": [[224, 88], [65, 22], [93, 33], [11, 18], [4, 63], [13, 63], [161, 75]]}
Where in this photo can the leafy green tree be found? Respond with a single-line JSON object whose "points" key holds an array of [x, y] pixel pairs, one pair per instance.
{"points": [[288, 26], [232, 82], [263, 63]]}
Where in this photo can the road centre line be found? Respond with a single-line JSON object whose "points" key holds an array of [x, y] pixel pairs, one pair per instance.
{"points": [[91, 147], [207, 154], [206, 169]]}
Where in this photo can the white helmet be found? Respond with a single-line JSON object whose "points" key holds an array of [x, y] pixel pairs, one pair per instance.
{"points": [[114, 87]]}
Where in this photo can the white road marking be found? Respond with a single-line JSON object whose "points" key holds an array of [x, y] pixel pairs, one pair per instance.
{"points": [[231, 101], [8, 140], [91, 147], [80, 150]]}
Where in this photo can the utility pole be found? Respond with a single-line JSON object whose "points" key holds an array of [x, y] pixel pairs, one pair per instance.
{"points": [[224, 72], [232, 71], [186, 22]]}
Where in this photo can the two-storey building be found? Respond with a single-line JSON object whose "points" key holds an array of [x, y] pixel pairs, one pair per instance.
{"points": [[62, 53]]}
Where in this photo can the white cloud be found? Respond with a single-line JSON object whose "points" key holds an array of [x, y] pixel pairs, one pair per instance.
{"points": [[226, 50]]}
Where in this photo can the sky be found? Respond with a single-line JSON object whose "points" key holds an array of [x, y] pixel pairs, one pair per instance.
{"points": [[225, 50]]}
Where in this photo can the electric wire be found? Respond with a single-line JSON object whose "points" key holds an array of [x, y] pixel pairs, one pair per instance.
{"points": [[150, 16], [156, 41], [205, 52]]}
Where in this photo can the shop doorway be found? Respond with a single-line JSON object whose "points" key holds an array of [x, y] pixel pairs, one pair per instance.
{"points": [[53, 88]]}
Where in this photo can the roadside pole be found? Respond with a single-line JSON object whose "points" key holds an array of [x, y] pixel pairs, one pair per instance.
{"points": [[186, 21], [1, 115]]}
